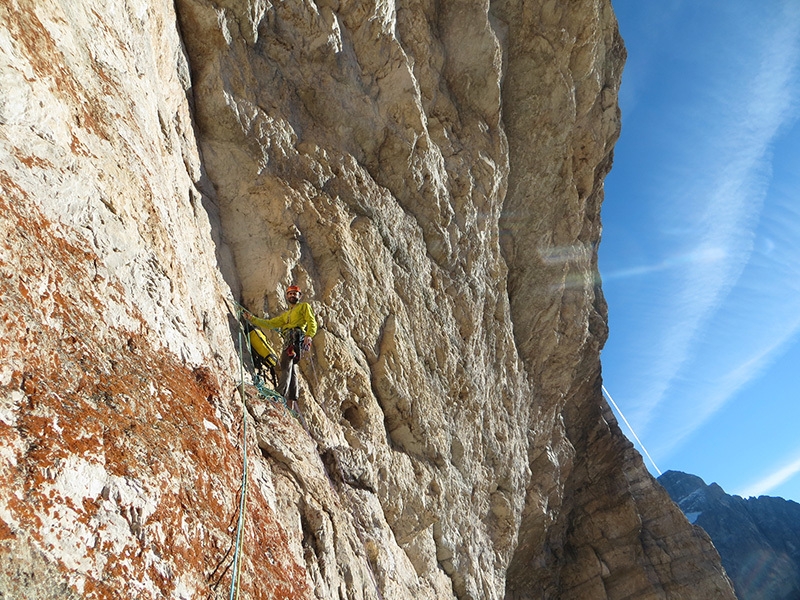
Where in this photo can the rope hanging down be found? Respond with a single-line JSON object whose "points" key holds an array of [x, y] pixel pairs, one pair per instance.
{"points": [[238, 552], [267, 393]]}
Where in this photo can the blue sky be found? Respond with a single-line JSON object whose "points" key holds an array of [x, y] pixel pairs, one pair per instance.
{"points": [[700, 256]]}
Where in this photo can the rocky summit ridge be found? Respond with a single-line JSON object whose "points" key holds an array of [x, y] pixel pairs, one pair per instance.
{"points": [[758, 538], [431, 174]]}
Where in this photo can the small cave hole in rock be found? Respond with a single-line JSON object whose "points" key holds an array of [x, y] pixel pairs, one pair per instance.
{"points": [[354, 415]]}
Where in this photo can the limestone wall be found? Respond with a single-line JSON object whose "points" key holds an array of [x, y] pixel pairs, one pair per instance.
{"points": [[430, 173]]}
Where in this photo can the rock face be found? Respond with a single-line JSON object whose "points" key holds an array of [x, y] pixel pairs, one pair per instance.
{"points": [[431, 174], [757, 538]]}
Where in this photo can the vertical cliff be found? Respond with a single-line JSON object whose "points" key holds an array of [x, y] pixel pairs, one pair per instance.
{"points": [[430, 172]]}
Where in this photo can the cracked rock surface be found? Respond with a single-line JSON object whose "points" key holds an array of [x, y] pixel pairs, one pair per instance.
{"points": [[431, 174]]}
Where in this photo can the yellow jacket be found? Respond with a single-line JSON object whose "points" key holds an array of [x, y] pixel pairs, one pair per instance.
{"points": [[300, 316]]}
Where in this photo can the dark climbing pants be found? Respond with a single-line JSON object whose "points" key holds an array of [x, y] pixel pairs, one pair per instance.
{"points": [[290, 356]]}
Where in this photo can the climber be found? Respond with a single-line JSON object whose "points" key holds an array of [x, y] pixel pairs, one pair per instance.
{"points": [[297, 326]]}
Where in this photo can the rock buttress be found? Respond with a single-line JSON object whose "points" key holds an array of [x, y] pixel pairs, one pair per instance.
{"points": [[595, 524], [120, 430], [431, 174]]}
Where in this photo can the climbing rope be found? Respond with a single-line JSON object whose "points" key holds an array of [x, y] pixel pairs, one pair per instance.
{"points": [[265, 392], [636, 437], [269, 394], [238, 551]]}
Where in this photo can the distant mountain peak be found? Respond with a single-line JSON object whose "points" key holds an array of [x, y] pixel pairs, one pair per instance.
{"points": [[758, 539]]}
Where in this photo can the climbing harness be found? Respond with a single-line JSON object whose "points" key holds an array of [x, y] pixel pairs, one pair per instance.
{"points": [[293, 343]]}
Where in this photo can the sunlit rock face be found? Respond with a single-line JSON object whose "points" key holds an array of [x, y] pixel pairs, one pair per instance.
{"points": [[430, 173], [119, 434]]}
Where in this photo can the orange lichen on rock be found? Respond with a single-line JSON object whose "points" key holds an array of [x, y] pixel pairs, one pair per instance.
{"points": [[119, 466]]}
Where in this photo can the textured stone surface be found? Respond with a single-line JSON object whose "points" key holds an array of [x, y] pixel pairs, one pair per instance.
{"points": [[431, 174], [757, 538], [120, 451]]}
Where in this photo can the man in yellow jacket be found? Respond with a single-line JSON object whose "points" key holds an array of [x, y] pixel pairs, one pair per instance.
{"points": [[297, 326]]}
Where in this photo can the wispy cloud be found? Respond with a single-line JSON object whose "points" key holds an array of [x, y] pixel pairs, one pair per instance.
{"points": [[714, 198], [708, 396], [699, 255], [773, 480]]}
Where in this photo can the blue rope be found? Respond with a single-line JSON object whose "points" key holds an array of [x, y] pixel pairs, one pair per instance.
{"points": [[266, 393], [235, 577]]}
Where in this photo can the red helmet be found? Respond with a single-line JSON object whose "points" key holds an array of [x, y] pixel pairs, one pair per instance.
{"points": [[293, 288]]}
